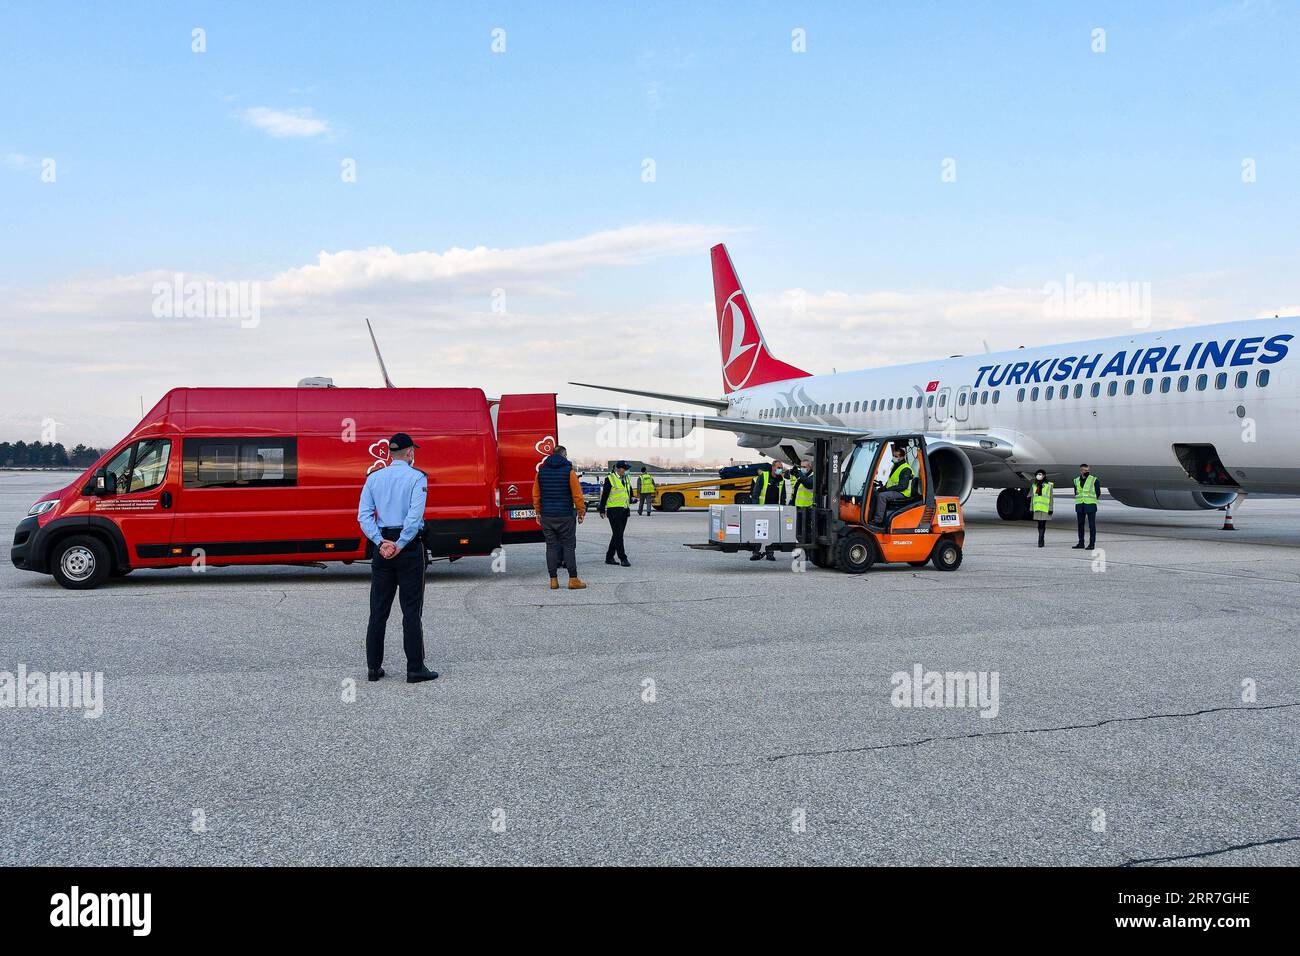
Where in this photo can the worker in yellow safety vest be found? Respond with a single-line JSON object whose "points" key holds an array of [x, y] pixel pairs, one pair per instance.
{"points": [[645, 492], [897, 488], [615, 499], [1087, 491], [770, 487], [805, 487], [1040, 502]]}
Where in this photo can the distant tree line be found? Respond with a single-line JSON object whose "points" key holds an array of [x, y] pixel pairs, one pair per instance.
{"points": [[36, 454]]}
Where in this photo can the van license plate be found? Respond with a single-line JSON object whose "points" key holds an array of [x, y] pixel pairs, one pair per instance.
{"points": [[522, 514]]}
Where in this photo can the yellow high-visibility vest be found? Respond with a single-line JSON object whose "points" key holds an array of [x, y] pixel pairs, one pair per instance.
{"points": [[905, 491], [618, 493], [647, 483], [1085, 493], [1041, 501]]}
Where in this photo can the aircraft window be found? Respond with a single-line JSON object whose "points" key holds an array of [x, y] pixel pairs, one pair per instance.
{"points": [[961, 399], [1129, 386], [1020, 395], [984, 398], [857, 406], [1112, 389], [1033, 395], [1242, 378], [1182, 383], [1262, 378], [1078, 390], [839, 409], [873, 404], [1096, 389], [1065, 392], [1146, 386], [1050, 393], [996, 395], [900, 401], [909, 401], [1201, 382], [929, 402], [1164, 385], [943, 400], [891, 405], [1221, 380]]}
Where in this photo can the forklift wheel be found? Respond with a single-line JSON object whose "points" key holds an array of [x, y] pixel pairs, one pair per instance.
{"points": [[947, 555], [820, 557], [856, 553]]}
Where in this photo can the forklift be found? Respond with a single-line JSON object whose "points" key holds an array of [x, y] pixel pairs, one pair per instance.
{"points": [[839, 529]]}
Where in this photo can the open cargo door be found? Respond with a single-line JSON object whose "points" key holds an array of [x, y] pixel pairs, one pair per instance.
{"points": [[526, 434]]}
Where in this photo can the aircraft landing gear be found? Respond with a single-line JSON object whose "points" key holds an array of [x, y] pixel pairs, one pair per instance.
{"points": [[1013, 504]]}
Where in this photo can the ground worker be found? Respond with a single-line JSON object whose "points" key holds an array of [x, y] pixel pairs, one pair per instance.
{"points": [[391, 515], [805, 489], [615, 498], [645, 492], [1087, 490], [1040, 502], [897, 488], [560, 507], [770, 488]]}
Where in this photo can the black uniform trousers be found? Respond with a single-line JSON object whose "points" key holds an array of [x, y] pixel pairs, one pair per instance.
{"points": [[1088, 513], [617, 518], [403, 572]]}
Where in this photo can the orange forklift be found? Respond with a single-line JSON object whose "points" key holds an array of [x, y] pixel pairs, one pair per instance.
{"points": [[839, 529]]}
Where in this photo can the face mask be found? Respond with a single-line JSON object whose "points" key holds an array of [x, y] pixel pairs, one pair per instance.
{"points": [[1040, 477]]}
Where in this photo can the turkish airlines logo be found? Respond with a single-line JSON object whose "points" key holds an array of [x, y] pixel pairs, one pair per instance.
{"points": [[738, 335]]}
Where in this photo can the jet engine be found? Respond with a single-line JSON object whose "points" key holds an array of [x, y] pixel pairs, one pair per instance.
{"points": [[1174, 500], [951, 471]]}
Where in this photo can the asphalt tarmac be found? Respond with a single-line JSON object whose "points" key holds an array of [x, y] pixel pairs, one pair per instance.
{"points": [[695, 708]]}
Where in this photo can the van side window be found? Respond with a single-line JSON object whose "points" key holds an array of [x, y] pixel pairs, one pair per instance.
{"points": [[138, 467], [240, 462]]}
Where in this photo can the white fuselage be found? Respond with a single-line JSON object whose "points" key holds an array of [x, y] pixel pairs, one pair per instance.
{"points": [[1129, 400]]}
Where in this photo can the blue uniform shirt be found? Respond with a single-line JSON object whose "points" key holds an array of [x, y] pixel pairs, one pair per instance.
{"points": [[393, 497]]}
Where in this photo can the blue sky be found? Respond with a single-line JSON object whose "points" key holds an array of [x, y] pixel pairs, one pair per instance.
{"points": [[820, 169]]}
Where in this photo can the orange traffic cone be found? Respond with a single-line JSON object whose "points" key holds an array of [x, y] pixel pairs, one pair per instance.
{"points": [[1227, 520]]}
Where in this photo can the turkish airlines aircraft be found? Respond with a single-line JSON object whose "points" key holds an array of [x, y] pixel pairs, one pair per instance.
{"points": [[1180, 420]]}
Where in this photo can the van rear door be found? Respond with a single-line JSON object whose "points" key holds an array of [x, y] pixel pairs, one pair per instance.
{"points": [[526, 434]]}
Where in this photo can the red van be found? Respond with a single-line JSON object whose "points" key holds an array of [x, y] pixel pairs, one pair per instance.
{"points": [[273, 476]]}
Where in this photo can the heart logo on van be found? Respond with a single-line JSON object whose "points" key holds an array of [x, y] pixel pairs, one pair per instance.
{"points": [[379, 452], [545, 448]]}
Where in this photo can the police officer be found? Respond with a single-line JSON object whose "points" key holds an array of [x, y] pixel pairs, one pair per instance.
{"points": [[615, 499], [899, 486], [645, 492], [1087, 491], [770, 488], [391, 515]]}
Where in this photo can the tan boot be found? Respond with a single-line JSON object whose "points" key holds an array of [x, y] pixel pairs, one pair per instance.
{"points": [[576, 584], [555, 584]]}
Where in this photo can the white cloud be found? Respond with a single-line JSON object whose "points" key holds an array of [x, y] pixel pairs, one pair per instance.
{"points": [[285, 124]]}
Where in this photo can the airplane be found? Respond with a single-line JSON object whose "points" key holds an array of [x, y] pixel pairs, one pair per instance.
{"points": [[1186, 419]]}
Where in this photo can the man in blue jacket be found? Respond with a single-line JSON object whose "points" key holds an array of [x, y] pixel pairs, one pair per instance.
{"points": [[560, 506]]}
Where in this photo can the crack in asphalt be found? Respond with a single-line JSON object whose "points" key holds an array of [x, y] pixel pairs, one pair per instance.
{"points": [[1138, 861], [1026, 730]]}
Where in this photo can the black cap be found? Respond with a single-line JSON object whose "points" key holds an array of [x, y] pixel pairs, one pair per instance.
{"points": [[400, 441], [620, 464]]}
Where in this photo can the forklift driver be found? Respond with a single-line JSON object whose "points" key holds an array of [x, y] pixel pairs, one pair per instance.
{"points": [[898, 488]]}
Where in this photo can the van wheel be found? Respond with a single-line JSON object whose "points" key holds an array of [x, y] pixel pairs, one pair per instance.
{"points": [[671, 501], [855, 553], [81, 563], [947, 555]]}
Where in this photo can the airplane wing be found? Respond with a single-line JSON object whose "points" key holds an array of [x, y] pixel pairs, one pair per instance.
{"points": [[679, 424], [713, 403]]}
